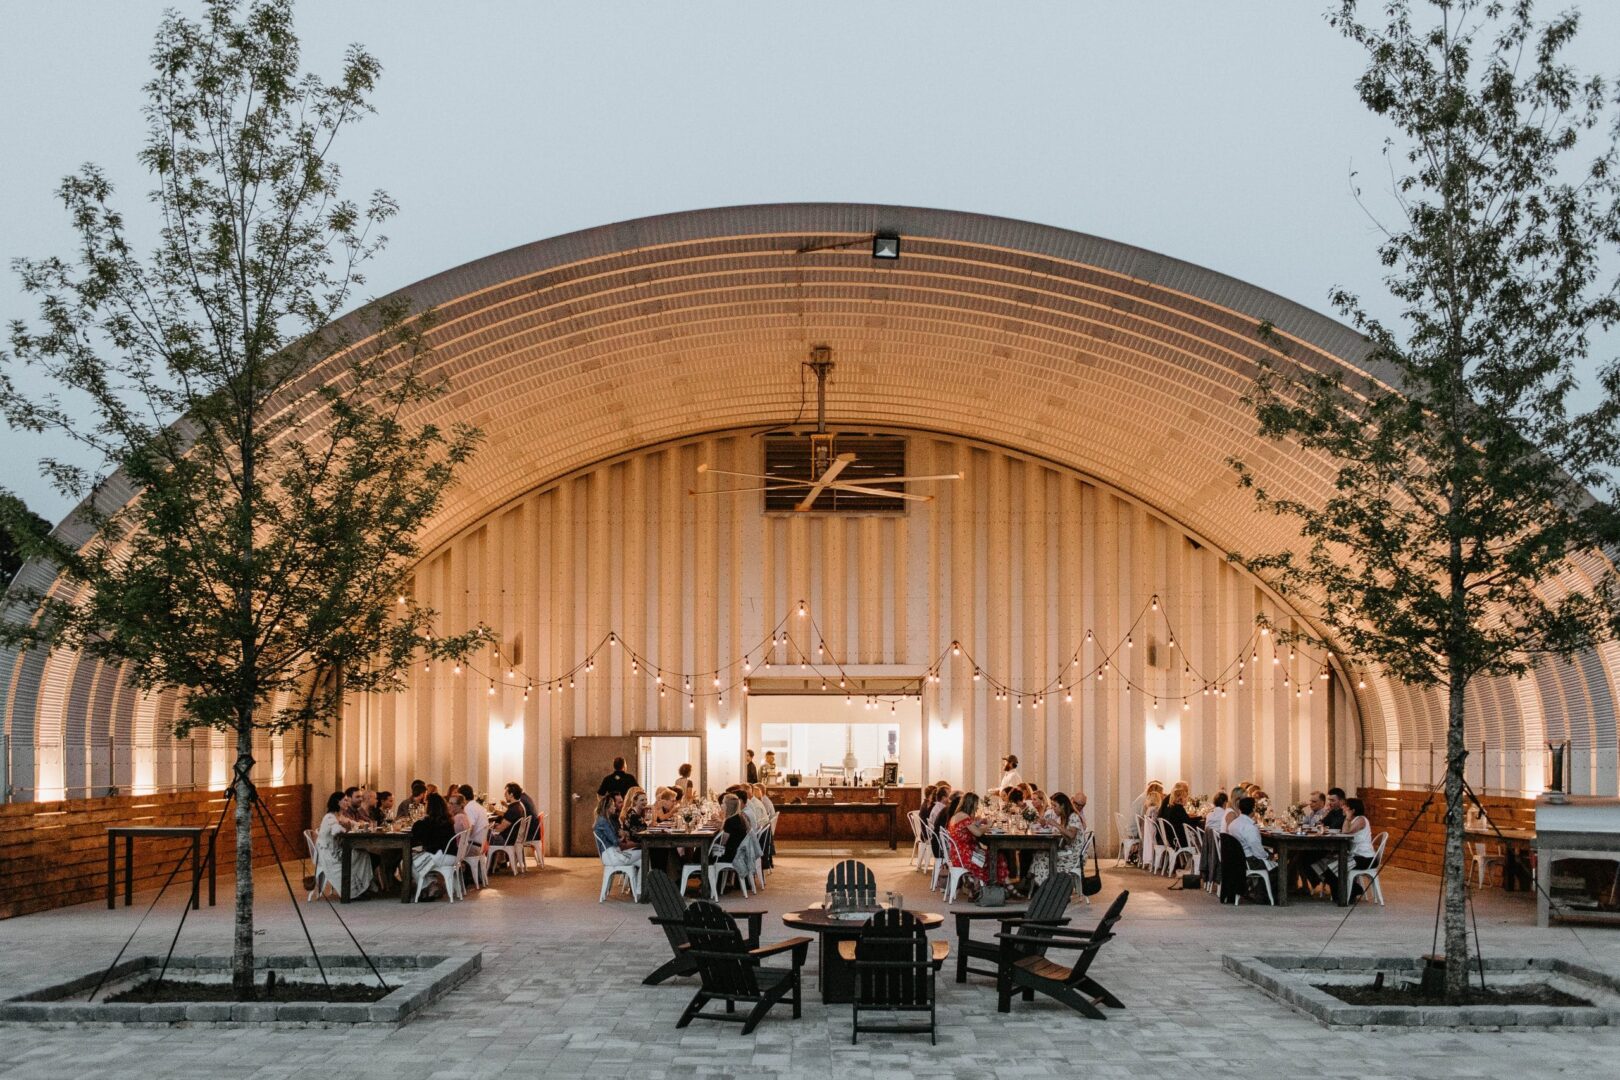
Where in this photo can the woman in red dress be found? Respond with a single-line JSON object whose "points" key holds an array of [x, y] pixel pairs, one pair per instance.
{"points": [[965, 830]]}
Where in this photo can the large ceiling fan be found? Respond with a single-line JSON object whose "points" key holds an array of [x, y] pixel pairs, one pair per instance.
{"points": [[826, 464]]}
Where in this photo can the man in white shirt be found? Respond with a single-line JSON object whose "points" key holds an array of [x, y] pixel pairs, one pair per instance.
{"points": [[477, 818], [1247, 833], [1215, 820], [1010, 776], [1316, 810]]}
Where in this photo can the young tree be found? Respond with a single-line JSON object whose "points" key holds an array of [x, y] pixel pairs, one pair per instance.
{"points": [[258, 570], [1464, 477]]}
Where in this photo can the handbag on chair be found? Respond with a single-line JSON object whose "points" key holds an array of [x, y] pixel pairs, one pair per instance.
{"points": [[1091, 884]]}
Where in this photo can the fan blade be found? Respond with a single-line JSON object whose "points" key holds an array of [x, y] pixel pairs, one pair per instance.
{"points": [[839, 464], [860, 490], [756, 476], [729, 491], [909, 479]]}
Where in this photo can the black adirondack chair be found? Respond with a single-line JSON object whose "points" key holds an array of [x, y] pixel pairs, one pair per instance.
{"points": [[852, 882], [1046, 908], [1035, 974], [734, 973], [895, 966], [669, 912]]}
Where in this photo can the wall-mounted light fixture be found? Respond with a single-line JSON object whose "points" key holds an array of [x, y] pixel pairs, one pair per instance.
{"points": [[886, 246]]}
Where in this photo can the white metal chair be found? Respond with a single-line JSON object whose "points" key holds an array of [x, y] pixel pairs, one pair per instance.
{"points": [[511, 846], [927, 859], [715, 870], [1479, 857], [1173, 847], [956, 865], [631, 872], [1372, 888], [1265, 879], [1129, 845], [446, 865], [321, 878], [475, 858], [536, 844], [918, 840], [1149, 857]]}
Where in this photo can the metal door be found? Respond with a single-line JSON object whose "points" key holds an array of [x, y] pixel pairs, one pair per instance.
{"points": [[590, 758]]}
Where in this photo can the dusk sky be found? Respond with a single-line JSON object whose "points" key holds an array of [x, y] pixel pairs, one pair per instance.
{"points": [[1223, 134]]}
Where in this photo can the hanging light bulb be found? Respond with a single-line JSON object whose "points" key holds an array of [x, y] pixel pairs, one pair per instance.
{"points": [[956, 648], [1020, 703], [745, 689], [1311, 690], [661, 691], [719, 699], [1240, 678], [492, 688], [570, 684], [892, 708], [1105, 665], [400, 600], [767, 660], [613, 639], [660, 679], [1254, 657], [1185, 705], [525, 693], [802, 611], [1155, 704], [975, 674], [1036, 703], [1129, 644], [1290, 652], [1275, 659], [848, 700], [689, 682], [691, 703], [1206, 690], [840, 684], [1088, 635], [1068, 695], [1172, 642], [747, 665], [427, 665], [1296, 692], [456, 670], [1361, 682], [802, 664], [1324, 675], [1155, 601], [635, 667], [1265, 631], [819, 649], [823, 686], [717, 678]]}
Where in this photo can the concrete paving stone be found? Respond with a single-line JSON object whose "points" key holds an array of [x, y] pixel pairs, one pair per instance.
{"points": [[559, 993]]}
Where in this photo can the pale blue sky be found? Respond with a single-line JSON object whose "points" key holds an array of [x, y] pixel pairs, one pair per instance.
{"points": [[1220, 133]]}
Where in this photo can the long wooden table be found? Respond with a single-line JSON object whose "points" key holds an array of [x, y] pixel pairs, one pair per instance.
{"points": [[885, 812], [996, 842], [671, 840], [131, 833], [377, 841], [1288, 844]]}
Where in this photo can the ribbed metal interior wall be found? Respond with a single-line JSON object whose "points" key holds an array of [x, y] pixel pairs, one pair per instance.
{"points": [[1017, 561]]}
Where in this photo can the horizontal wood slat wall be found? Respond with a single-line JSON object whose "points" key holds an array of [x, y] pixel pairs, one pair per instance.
{"points": [[53, 854], [1424, 849]]}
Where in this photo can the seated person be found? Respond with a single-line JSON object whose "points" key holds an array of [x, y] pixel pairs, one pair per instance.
{"points": [[1334, 819], [1316, 809], [1182, 825], [662, 811], [1246, 831], [432, 834], [330, 853], [1362, 852], [965, 829], [609, 838]]}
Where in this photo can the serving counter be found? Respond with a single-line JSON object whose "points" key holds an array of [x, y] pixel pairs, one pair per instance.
{"points": [[851, 814]]}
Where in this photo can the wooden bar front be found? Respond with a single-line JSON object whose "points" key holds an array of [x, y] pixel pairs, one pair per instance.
{"points": [[820, 821]]}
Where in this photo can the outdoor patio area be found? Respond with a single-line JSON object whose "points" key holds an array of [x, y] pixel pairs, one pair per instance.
{"points": [[560, 992]]}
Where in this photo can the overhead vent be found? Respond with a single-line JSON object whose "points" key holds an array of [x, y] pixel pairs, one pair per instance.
{"points": [[806, 457]]}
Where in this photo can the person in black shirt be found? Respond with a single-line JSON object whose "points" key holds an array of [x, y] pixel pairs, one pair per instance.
{"points": [[735, 827], [432, 834], [753, 770], [1333, 820], [618, 781]]}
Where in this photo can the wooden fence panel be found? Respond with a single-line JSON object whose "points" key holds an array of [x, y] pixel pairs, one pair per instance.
{"points": [[1424, 847], [53, 854]]}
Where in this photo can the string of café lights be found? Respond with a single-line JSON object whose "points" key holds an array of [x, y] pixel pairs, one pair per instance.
{"points": [[734, 676]]}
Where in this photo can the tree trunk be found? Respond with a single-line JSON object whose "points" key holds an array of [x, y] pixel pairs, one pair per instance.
{"points": [[1454, 877], [242, 953]]}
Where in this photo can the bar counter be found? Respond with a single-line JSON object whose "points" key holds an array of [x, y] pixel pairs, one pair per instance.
{"points": [[853, 813]]}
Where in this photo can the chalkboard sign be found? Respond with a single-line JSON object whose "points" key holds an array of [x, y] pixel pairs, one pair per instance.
{"points": [[891, 773]]}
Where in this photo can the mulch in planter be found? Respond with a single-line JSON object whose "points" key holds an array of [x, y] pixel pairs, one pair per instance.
{"points": [[1398, 994], [176, 990]]}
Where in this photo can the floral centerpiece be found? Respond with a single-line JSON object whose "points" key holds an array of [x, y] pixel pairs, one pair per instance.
{"points": [[688, 816]]}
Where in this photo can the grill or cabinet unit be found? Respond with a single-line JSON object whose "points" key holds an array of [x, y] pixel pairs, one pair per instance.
{"points": [[1577, 858]]}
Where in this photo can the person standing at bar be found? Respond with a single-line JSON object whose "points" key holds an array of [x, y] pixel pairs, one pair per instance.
{"points": [[618, 781], [752, 770]]}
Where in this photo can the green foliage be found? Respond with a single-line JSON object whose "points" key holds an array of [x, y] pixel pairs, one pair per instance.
{"points": [[1463, 479], [274, 518]]}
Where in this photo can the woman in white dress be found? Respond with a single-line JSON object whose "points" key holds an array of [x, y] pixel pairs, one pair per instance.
{"points": [[331, 855], [1072, 853]]}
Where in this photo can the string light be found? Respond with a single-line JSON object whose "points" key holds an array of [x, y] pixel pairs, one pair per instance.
{"points": [[1129, 644], [746, 665], [492, 689], [975, 674], [1068, 695], [456, 670], [956, 648], [1172, 642], [401, 600], [613, 639], [1155, 601], [802, 611], [1361, 682]]}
